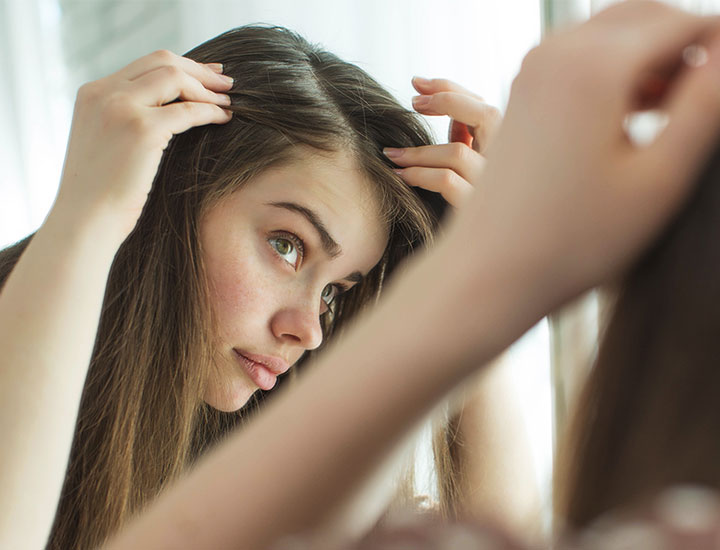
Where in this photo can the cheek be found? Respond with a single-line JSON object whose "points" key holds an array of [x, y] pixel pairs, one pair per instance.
{"points": [[239, 294]]}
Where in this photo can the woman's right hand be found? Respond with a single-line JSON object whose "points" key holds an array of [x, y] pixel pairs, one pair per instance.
{"points": [[121, 125], [568, 197]]}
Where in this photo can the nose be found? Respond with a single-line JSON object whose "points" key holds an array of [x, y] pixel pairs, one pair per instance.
{"points": [[298, 325]]}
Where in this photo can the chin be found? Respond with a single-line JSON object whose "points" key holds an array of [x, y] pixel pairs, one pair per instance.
{"points": [[229, 398]]}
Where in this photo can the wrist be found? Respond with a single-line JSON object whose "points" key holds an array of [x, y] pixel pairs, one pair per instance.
{"points": [[105, 228], [490, 283]]}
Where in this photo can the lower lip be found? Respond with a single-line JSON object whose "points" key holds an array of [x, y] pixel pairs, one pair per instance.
{"points": [[259, 374]]}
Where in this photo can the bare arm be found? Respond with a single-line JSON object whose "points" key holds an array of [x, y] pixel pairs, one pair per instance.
{"points": [[50, 305], [49, 310]]}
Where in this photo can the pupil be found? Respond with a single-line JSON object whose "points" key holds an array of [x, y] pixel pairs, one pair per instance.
{"points": [[283, 246]]}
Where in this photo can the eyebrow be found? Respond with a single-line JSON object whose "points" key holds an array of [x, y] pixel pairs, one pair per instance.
{"points": [[329, 245]]}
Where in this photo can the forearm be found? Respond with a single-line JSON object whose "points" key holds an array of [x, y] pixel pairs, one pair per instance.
{"points": [[279, 475], [49, 312], [360, 510]]}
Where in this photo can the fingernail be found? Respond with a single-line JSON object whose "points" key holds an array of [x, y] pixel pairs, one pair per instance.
{"points": [[223, 99], [227, 79], [421, 80], [392, 152], [420, 101], [399, 171], [216, 67], [689, 508], [695, 56]]}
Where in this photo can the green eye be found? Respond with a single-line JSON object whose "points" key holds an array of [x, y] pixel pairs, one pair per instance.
{"points": [[329, 294], [287, 249], [283, 246]]}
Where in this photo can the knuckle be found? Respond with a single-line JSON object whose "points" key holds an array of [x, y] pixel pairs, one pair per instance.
{"points": [[448, 178], [172, 72], [164, 57], [90, 91], [459, 151], [188, 107], [138, 126], [493, 114]]}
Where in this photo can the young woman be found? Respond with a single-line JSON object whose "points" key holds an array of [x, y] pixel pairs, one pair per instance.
{"points": [[268, 226], [523, 247], [574, 202]]}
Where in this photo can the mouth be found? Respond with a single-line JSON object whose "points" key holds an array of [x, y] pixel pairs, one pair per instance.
{"points": [[262, 370]]}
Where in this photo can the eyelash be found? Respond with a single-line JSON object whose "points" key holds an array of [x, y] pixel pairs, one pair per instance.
{"points": [[299, 245], [339, 289], [296, 241]]}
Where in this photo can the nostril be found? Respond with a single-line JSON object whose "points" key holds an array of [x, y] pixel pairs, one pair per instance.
{"points": [[294, 337]]}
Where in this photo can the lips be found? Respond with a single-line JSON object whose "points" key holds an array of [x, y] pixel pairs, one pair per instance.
{"points": [[263, 370]]}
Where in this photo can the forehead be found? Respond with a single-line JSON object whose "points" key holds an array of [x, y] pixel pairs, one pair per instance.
{"points": [[334, 187], [332, 179]]}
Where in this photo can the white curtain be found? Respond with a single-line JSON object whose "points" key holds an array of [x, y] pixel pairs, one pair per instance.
{"points": [[34, 114]]}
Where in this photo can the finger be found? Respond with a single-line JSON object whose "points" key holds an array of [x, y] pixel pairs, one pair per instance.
{"points": [[208, 74], [179, 117], [168, 83], [458, 157], [429, 86], [454, 189], [483, 119], [693, 109], [658, 33]]}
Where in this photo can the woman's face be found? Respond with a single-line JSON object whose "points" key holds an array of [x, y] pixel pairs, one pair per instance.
{"points": [[277, 252]]}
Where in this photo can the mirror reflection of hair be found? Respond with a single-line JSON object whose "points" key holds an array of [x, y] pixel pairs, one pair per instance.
{"points": [[649, 416]]}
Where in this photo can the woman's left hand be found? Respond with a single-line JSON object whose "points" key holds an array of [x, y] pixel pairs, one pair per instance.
{"points": [[449, 169]]}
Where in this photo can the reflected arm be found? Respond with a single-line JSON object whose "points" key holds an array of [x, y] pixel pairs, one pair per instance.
{"points": [[49, 312]]}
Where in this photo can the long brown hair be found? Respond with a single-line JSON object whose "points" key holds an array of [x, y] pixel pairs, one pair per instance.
{"points": [[649, 415], [142, 420]]}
